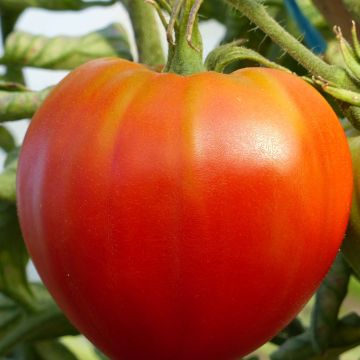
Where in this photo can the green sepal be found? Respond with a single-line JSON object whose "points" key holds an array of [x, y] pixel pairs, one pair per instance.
{"points": [[65, 52], [224, 55], [355, 40], [350, 58], [345, 95]]}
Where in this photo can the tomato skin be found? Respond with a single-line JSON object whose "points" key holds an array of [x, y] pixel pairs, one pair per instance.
{"points": [[182, 218]]}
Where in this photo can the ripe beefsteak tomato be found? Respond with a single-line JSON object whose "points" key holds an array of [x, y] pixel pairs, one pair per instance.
{"points": [[182, 217]]}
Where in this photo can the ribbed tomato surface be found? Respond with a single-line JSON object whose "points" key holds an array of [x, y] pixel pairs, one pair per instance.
{"points": [[182, 218]]}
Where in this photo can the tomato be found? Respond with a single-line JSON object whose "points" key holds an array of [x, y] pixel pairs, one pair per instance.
{"points": [[182, 217]]}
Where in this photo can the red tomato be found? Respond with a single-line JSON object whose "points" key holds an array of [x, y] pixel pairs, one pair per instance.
{"points": [[185, 218]]}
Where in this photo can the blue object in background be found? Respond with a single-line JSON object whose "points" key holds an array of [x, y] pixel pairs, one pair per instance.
{"points": [[312, 37]]}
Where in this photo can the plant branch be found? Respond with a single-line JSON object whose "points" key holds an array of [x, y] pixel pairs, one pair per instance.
{"points": [[147, 35], [185, 54], [257, 13]]}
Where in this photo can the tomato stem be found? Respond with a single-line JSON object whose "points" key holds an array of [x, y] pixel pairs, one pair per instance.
{"points": [[257, 13], [185, 52], [147, 35]]}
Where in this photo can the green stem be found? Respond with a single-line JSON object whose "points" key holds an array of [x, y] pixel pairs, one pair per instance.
{"points": [[257, 13], [147, 35], [186, 58]]}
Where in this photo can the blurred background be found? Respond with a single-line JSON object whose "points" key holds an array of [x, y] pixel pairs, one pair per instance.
{"points": [[52, 23]]}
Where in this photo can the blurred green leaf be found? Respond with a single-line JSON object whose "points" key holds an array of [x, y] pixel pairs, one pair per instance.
{"points": [[213, 9], [13, 257], [15, 105], [52, 4], [64, 52], [12, 156], [47, 322], [7, 142], [23, 352], [8, 19], [8, 182], [9, 314]]}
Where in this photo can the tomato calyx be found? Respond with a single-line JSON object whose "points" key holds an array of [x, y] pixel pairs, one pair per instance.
{"points": [[185, 55]]}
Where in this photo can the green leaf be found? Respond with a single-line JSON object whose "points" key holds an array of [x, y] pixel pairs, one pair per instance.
{"points": [[52, 4], [10, 313], [24, 352], [15, 105], [59, 324], [8, 182], [64, 52], [47, 322], [13, 258], [7, 142], [12, 156]]}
